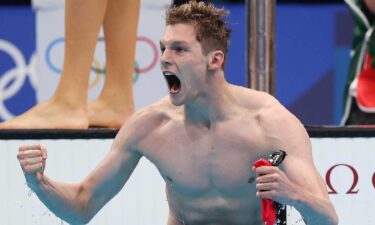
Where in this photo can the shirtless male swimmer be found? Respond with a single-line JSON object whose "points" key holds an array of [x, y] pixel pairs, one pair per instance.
{"points": [[203, 139]]}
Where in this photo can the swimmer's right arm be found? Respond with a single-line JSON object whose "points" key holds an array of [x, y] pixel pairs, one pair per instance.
{"points": [[78, 203], [56, 196]]}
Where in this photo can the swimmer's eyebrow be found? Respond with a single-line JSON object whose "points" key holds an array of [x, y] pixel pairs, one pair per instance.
{"points": [[172, 43]]}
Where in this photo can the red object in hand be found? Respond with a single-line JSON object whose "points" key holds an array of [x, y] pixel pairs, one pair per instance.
{"points": [[268, 206], [366, 86]]}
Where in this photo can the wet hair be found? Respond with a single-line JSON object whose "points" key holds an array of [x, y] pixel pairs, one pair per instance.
{"points": [[210, 26]]}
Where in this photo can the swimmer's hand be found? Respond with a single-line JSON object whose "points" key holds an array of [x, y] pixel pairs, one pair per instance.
{"points": [[272, 183], [32, 159]]}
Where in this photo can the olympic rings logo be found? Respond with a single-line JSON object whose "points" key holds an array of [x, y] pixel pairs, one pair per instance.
{"points": [[13, 80], [99, 69]]}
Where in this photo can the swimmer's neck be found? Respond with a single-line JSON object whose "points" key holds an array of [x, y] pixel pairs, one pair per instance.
{"points": [[213, 105]]}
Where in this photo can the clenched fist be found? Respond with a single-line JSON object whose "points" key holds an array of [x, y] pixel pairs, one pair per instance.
{"points": [[32, 159]]}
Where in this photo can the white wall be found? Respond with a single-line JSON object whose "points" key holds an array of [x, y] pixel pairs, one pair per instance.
{"points": [[143, 201]]}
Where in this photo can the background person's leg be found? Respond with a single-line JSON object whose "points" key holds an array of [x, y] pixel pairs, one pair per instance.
{"points": [[68, 107], [115, 103]]}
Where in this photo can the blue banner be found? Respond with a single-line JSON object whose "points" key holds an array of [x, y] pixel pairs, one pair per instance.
{"points": [[312, 55]]}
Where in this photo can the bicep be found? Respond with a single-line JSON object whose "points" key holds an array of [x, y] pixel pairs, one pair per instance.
{"points": [[303, 172], [299, 165]]}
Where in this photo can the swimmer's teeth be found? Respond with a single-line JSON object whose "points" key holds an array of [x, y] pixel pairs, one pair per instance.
{"points": [[168, 74]]}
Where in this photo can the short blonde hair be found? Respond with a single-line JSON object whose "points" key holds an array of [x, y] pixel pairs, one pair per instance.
{"points": [[211, 28]]}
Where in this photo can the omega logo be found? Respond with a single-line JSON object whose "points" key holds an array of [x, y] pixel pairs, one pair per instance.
{"points": [[353, 188]]}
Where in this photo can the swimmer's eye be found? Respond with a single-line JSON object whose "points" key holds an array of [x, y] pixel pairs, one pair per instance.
{"points": [[180, 49], [162, 50]]}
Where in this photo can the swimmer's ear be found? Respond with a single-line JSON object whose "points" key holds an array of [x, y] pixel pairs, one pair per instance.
{"points": [[216, 59]]}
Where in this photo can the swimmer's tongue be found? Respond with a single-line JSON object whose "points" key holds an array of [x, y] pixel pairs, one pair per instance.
{"points": [[268, 206], [175, 88]]}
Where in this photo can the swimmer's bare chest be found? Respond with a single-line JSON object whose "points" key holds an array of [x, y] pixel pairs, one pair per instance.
{"points": [[208, 173]]}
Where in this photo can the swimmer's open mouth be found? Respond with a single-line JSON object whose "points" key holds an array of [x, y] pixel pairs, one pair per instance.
{"points": [[174, 83]]}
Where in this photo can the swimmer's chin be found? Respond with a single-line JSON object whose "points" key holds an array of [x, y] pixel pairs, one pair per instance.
{"points": [[175, 102]]}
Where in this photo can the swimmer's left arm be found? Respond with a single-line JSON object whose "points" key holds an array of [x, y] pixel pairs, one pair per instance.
{"points": [[300, 186]]}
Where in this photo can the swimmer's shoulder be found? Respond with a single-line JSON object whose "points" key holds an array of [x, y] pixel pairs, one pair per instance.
{"points": [[145, 120], [255, 100], [265, 107], [159, 112], [279, 128]]}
